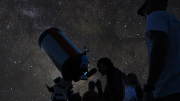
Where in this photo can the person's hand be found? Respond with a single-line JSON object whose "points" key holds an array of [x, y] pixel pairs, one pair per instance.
{"points": [[98, 84], [148, 96]]}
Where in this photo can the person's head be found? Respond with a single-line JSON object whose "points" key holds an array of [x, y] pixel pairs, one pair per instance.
{"points": [[57, 80], [152, 5], [104, 65], [91, 85], [131, 79]]}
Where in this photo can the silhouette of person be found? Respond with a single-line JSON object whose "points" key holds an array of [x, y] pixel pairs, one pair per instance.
{"points": [[91, 94], [57, 94], [115, 87], [163, 40], [133, 90], [73, 96]]}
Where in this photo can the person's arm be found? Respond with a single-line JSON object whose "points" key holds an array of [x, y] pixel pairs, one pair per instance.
{"points": [[158, 55], [99, 88], [100, 93]]}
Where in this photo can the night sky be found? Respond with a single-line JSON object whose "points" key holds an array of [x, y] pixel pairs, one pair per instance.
{"points": [[108, 28]]}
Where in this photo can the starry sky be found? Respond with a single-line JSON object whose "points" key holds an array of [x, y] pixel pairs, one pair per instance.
{"points": [[108, 28]]}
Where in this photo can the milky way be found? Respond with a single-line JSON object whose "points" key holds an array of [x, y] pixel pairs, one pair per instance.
{"points": [[108, 28]]}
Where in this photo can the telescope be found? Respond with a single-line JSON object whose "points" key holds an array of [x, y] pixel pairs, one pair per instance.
{"points": [[69, 60]]}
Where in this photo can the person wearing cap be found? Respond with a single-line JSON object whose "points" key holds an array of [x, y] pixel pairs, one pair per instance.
{"points": [[163, 40]]}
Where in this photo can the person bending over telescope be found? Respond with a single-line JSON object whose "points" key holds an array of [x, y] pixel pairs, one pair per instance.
{"points": [[115, 87]]}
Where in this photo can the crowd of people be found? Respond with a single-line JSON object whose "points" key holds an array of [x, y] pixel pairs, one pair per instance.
{"points": [[119, 87], [163, 41]]}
